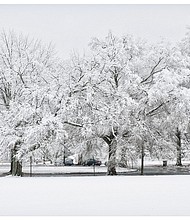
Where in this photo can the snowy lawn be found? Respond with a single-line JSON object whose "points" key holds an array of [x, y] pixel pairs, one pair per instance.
{"points": [[108, 195], [72, 169], [62, 169]]}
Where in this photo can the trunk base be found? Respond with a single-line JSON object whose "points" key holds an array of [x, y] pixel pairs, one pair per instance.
{"points": [[16, 165], [179, 164], [17, 169], [112, 171]]}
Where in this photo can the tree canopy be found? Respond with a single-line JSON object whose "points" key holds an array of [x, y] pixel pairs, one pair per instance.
{"points": [[125, 95]]}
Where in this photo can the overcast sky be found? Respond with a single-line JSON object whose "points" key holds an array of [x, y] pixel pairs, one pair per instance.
{"points": [[72, 26]]}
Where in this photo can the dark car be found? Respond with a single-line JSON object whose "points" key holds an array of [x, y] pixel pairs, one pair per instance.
{"points": [[68, 162], [91, 162]]}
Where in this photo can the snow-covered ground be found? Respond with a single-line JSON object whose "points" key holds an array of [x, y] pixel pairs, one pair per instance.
{"points": [[72, 169], [51, 169], [5, 167], [62, 169], [160, 162], [108, 195]]}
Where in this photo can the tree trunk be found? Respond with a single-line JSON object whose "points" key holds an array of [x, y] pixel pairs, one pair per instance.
{"points": [[12, 155], [112, 143], [179, 150], [44, 159], [16, 165], [142, 159], [124, 161], [80, 159], [112, 158]]}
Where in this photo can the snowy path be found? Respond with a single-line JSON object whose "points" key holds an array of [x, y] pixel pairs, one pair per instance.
{"points": [[120, 195]]}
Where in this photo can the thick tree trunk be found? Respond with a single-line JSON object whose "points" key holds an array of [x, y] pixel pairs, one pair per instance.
{"points": [[112, 158], [112, 143], [179, 150], [16, 165]]}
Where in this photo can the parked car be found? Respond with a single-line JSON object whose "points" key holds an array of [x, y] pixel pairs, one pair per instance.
{"points": [[68, 162], [91, 162], [59, 162]]}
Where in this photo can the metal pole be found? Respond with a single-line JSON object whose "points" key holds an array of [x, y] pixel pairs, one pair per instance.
{"points": [[30, 166]]}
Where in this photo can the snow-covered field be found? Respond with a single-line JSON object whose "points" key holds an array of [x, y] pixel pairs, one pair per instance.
{"points": [[72, 169], [5, 167], [108, 195], [62, 169]]}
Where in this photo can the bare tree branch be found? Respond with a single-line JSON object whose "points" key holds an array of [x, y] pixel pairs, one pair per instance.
{"points": [[155, 109], [73, 124], [154, 71]]}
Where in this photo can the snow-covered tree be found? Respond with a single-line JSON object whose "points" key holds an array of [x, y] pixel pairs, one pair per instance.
{"points": [[127, 93], [27, 75], [118, 91]]}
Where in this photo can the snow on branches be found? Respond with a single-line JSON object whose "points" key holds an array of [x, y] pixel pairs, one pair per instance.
{"points": [[125, 93]]}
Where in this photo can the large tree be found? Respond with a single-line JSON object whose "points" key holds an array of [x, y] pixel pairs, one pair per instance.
{"points": [[26, 70], [116, 92]]}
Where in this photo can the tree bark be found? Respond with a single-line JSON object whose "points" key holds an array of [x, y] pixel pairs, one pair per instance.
{"points": [[112, 144], [179, 149], [16, 165], [124, 161], [112, 158], [12, 155]]}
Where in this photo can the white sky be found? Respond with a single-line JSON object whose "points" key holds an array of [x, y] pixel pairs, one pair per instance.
{"points": [[72, 26]]}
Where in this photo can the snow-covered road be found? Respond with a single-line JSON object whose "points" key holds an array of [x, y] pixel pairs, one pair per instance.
{"points": [[108, 195]]}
